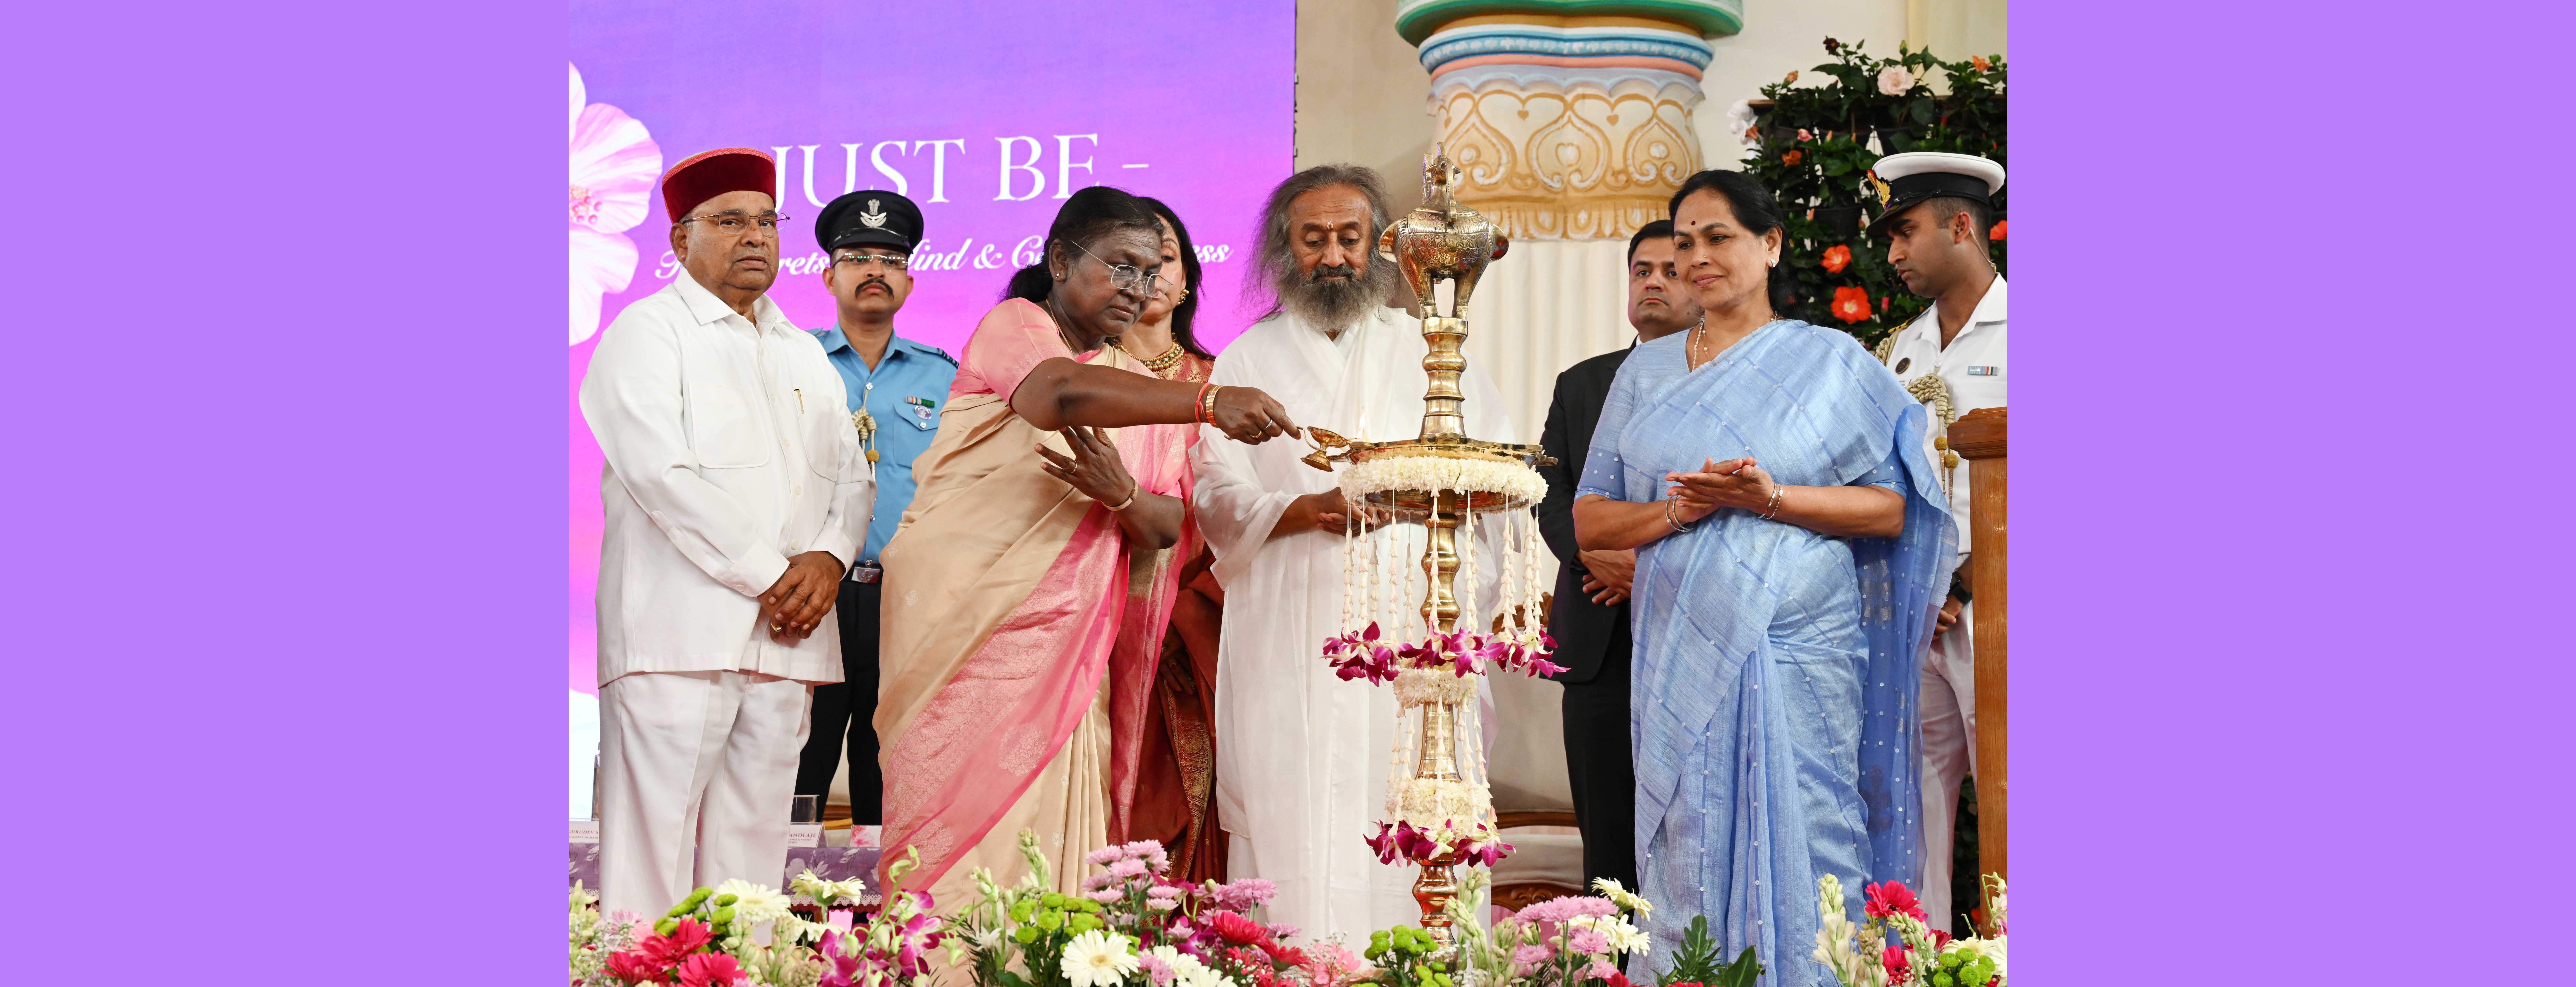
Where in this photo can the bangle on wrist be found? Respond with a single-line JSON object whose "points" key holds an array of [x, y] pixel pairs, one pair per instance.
{"points": [[1199, 405], [1771, 510], [1133, 488], [1677, 526]]}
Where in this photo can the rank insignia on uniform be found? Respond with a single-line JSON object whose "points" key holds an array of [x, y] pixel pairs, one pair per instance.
{"points": [[1871, 185], [1985, 372], [875, 218], [922, 402]]}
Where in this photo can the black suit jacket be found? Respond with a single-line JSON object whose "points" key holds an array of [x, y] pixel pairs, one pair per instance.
{"points": [[1581, 627]]}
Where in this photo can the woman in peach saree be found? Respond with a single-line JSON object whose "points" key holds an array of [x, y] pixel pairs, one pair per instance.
{"points": [[1035, 562]]}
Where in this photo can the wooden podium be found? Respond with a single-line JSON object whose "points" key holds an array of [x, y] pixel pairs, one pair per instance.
{"points": [[1978, 437]]}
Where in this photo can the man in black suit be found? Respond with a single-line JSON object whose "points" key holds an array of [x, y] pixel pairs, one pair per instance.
{"points": [[1590, 616]]}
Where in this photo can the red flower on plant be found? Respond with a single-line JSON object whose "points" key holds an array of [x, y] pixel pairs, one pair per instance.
{"points": [[686, 938], [1851, 304], [1894, 961], [635, 967], [1837, 257], [1889, 898], [1237, 929], [1793, 157], [710, 970], [1997, 233]]}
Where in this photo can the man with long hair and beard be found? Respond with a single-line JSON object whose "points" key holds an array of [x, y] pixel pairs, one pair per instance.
{"points": [[1301, 754]]}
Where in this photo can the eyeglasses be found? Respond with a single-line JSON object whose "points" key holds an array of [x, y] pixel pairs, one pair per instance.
{"points": [[1126, 277], [733, 222], [856, 261]]}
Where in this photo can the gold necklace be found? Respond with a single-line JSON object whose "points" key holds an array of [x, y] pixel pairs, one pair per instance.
{"points": [[1157, 364]]}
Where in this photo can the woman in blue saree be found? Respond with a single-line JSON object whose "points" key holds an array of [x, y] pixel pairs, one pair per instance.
{"points": [[1792, 544]]}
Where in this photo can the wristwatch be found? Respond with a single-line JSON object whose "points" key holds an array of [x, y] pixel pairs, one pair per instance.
{"points": [[1959, 586]]}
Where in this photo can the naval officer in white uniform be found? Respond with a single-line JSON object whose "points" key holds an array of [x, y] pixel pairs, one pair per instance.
{"points": [[1937, 211]]}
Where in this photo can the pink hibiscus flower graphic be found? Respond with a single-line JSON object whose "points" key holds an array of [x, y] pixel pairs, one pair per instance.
{"points": [[614, 165]]}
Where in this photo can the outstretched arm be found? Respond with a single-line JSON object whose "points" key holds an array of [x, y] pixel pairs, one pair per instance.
{"points": [[1059, 393]]}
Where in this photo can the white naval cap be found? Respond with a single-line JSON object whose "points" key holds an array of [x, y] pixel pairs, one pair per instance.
{"points": [[1899, 181]]}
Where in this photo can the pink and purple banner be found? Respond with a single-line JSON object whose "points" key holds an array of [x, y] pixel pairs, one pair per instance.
{"points": [[986, 114]]}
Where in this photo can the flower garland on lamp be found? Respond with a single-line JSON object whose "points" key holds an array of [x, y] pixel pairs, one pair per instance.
{"points": [[1425, 639]]}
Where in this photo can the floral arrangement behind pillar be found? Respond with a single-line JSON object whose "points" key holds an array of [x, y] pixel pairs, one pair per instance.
{"points": [[1813, 147]]}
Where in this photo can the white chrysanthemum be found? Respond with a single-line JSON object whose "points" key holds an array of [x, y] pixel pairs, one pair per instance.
{"points": [[1619, 896], [1098, 958], [1187, 969], [753, 903]]}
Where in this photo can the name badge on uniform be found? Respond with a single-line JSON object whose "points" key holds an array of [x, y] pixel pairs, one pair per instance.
{"points": [[1985, 371]]}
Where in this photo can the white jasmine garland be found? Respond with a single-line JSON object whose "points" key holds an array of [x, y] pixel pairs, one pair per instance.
{"points": [[1428, 686], [1382, 473]]}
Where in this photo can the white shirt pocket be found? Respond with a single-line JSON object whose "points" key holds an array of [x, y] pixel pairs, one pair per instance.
{"points": [[725, 428]]}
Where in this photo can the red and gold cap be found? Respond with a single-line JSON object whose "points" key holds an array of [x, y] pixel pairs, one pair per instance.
{"points": [[708, 174]]}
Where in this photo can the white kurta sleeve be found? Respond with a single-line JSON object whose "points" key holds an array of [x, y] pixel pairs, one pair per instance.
{"points": [[630, 396], [1227, 498]]}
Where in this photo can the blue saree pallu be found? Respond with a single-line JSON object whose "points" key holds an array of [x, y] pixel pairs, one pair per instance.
{"points": [[1773, 711]]}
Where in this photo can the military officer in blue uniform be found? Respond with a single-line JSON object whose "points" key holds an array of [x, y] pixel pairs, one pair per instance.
{"points": [[896, 389]]}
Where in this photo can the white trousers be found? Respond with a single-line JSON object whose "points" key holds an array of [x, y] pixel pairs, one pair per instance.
{"points": [[697, 778], [1949, 756]]}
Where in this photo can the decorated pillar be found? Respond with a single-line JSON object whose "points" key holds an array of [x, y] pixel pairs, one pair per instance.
{"points": [[1570, 121]]}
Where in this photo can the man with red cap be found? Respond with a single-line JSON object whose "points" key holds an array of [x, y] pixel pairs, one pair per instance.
{"points": [[735, 496]]}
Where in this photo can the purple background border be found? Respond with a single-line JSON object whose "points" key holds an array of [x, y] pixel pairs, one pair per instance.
{"points": [[287, 508]]}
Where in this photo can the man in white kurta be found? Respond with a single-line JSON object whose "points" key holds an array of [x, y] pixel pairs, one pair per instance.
{"points": [[1937, 221], [735, 495], [1302, 756]]}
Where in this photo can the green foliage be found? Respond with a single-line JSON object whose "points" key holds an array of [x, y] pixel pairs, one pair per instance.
{"points": [[1820, 177], [1398, 953], [1697, 961]]}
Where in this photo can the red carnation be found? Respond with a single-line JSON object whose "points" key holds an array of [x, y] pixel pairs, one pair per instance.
{"points": [[1837, 257], [1851, 304], [1998, 232]]}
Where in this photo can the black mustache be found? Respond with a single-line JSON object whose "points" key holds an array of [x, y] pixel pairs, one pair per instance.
{"points": [[862, 286], [1346, 270]]}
